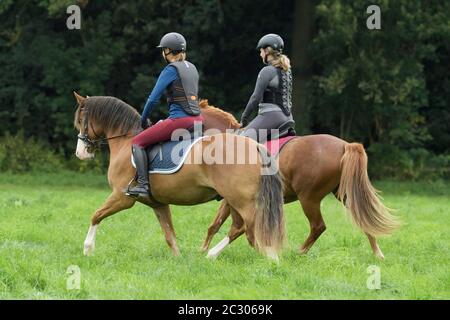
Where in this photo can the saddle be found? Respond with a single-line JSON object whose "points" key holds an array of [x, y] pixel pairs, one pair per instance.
{"points": [[285, 129], [163, 159], [286, 133]]}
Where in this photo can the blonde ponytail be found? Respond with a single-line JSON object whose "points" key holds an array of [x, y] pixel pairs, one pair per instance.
{"points": [[282, 62], [279, 60]]}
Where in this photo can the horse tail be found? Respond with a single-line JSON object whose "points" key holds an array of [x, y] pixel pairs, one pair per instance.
{"points": [[360, 197], [269, 219]]}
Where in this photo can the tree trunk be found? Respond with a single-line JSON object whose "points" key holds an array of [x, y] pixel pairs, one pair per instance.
{"points": [[301, 64]]}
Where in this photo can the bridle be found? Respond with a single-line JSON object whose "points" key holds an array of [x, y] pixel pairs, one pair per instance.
{"points": [[93, 144]]}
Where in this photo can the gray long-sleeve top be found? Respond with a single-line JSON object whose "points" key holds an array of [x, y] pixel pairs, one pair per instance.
{"points": [[267, 77]]}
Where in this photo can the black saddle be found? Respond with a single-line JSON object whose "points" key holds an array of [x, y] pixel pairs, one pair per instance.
{"points": [[285, 129]]}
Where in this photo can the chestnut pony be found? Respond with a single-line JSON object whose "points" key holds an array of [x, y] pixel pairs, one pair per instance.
{"points": [[312, 167], [256, 199]]}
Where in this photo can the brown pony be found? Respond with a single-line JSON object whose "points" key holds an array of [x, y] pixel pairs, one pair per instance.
{"points": [[314, 166], [256, 199]]}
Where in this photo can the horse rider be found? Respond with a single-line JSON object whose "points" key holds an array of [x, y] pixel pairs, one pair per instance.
{"points": [[179, 81], [273, 90]]}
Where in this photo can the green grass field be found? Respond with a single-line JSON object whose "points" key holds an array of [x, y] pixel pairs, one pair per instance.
{"points": [[44, 220]]}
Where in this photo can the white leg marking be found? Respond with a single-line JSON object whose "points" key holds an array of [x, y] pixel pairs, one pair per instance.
{"points": [[89, 243], [214, 252]]}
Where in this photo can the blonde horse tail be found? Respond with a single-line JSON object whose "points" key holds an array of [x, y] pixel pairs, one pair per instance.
{"points": [[269, 219], [360, 197]]}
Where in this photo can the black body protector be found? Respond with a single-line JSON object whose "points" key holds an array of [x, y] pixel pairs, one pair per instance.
{"points": [[280, 95], [184, 91]]}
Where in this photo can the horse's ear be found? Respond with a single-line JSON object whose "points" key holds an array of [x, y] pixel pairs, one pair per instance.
{"points": [[79, 98]]}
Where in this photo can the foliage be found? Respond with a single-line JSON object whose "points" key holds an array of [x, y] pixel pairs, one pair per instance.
{"points": [[114, 54], [19, 155], [412, 164], [99, 164], [379, 87], [374, 85]]}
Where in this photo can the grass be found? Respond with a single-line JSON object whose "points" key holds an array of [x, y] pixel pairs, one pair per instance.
{"points": [[44, 219]]}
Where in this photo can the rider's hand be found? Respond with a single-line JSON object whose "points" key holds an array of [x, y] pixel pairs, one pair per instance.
{"points": [[145, 123], [244, 122]]}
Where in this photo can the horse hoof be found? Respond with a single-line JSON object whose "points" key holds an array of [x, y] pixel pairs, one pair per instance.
{"points": [[211, 256], [379, 255], [88, 249]]}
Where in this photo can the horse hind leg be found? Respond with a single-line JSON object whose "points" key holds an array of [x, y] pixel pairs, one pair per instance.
{"points": [[222, 215], [311, 209], [236, 230], [246, 223], [268, 251], [165, 220], [376, 249], [372, 240]]}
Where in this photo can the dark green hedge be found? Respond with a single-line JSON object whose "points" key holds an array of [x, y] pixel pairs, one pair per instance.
{"points": [[388, 88]]}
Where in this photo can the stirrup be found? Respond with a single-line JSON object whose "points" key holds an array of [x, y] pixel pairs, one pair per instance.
{"points": [[129, 186], [127, 190], [141, 191], [146, 195]]}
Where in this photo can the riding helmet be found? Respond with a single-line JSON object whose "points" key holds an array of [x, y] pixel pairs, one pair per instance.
{"points": [[173, 41], [271, 40]]}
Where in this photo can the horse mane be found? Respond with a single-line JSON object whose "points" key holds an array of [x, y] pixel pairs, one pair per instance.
{"points": [[112, 113], [226, 116]]}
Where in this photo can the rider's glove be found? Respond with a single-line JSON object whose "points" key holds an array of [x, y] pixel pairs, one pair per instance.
{"points": [[244, 122], [145, 123]]}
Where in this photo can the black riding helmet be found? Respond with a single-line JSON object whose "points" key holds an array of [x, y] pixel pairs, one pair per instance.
{"points": [[173, 41], [271, 40]]}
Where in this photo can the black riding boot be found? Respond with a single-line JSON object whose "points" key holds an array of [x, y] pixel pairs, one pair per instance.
{"points": [[141, 161]]}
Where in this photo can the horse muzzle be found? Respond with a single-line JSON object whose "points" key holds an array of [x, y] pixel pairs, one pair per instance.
{"points": [[82, 152]]}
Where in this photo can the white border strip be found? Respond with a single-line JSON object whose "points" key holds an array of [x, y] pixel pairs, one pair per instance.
{"points": [[178, 167]]}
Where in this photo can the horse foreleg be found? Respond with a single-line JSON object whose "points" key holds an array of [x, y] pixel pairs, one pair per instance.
{"points": [[116, 202], [89, 243], [165, 219], [236, 230], [222, 215]]}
